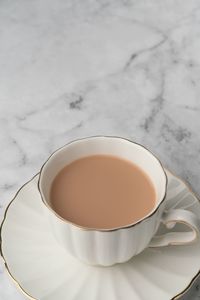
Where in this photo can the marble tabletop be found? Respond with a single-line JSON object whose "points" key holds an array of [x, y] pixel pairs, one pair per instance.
{"points": [[70, 69]]}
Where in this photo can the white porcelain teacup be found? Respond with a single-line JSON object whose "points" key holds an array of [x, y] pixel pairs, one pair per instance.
{"points": [[109, 246]]}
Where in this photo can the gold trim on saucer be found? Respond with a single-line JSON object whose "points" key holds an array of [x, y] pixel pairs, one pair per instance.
{"points": [[198, 273], [32, 298], [1, 242]]}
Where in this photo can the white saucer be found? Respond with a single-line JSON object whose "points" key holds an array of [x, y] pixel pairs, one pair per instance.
{"points": [[44, 271]]}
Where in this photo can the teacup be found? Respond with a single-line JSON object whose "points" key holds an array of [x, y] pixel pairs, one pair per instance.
{"points": [[109, 246]]}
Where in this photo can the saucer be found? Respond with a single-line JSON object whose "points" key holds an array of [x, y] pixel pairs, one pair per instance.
{"points": [[43, 270]]}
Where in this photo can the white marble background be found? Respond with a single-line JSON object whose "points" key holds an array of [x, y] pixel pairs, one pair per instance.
{"points": [[73, 68]]}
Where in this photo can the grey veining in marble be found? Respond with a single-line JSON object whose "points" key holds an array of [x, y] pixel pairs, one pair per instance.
{"points": [[70, 69]]}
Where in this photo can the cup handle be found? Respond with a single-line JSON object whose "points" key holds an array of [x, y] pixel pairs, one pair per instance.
{"points": [[169, 219]]}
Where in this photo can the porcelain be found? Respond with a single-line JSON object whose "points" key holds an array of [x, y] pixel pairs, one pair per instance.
{"points": [[114, 245], [45, 271]]}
